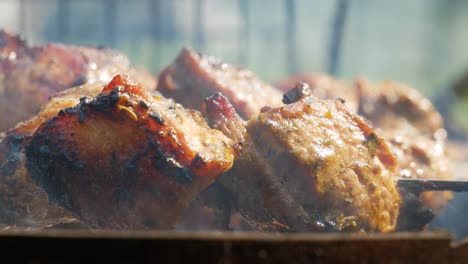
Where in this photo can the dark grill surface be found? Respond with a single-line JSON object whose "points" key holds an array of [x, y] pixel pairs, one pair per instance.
{"points": [[216, 247]]}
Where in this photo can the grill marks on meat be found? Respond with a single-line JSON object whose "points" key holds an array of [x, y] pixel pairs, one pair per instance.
{"points": [[193, 77], [30, 75], [127, 159], [309, 166]]}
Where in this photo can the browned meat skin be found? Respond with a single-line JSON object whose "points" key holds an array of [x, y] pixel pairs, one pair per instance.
{"points": [[222, 116], [324, 87], [30, 75], [193, 77], [387, 102], [414, 130], [23, 203], [127, 159], [312, 165]]}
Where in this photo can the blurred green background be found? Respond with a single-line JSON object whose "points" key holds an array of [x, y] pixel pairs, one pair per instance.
{"points": [[419, 42]]}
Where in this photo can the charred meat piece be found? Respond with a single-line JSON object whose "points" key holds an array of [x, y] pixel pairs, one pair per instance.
{"points": [[127, 159], [414, 130], [30, 75], [324, 87], [310, 165], [23, 203], [193, 77]]}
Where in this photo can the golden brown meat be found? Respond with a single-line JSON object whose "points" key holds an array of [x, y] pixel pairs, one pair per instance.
{"points": [[127, 159], [310, 165], [23, 203], [414, 130], [324, 87], [30, 75], [193, 77]]}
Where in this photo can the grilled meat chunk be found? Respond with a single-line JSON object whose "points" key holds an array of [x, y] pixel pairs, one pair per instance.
{"points": [[30, 75], [310, 165], [127, 159], [386, 103], [23, 203], [193, 77], [324, 87], [414, 130]]}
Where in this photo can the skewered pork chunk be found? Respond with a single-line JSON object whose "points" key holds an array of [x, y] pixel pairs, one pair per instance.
{"points": [[126, 159], [22, 202], [406, 119], [30, 75], [414, 130], [193, 77], [310, 165], [324, 87]]}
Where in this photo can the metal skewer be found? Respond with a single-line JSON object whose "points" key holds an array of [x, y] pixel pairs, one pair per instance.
{"points": [[421, 185]]}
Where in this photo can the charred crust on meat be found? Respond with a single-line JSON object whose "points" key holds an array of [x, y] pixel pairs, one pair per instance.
{"points": [[372, 143], [44, 166], [301, 90], [156, 117], [183, 175], [198, 161], [105, 100], [170, 167], [82, 110], [143, 104]]}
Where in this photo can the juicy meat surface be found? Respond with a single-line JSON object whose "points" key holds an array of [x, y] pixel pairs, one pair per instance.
{"points": [[127, 159], [324, 87], [311, 165], [30, 75], [23, 203], [386, 103], [193, 77], [414, 130]]}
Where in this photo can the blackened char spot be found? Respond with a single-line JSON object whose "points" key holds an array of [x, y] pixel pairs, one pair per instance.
{"points": [[143, 104], [82, 112], [156, 117], [104, 101], [198, 161], [372, 143], [301, 90], [168, 166], [183, 175], [42, 162]]}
